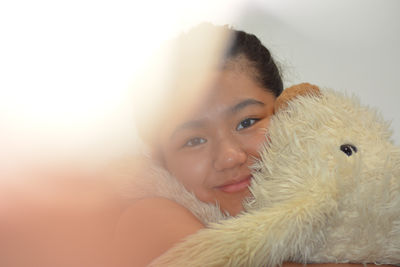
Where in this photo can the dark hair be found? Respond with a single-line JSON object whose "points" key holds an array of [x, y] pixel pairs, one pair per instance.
{"points": [[267, 72], [197, 41]]}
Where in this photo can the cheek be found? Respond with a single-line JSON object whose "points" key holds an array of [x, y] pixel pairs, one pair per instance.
{"points": [[254, 142], [190, 170]]}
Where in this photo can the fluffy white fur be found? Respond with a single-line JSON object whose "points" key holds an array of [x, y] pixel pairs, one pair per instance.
{"points": [[312, 202]]}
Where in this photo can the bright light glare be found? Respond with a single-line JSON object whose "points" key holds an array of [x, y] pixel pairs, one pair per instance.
{"points": [[67, 67]]}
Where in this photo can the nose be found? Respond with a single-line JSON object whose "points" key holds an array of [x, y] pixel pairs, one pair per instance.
{"points": [[229, 154]]}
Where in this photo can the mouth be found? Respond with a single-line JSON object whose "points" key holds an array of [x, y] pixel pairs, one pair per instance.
{"points": [[233, 187]]}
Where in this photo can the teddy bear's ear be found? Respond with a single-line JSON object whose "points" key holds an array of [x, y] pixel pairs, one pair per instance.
{"points": [[292, 92]]}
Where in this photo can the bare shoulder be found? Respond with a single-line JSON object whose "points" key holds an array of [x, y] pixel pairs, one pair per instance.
{"points": [[149, 227], [162, 213]]}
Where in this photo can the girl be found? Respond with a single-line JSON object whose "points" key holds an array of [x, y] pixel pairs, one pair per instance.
{"points": [[206, 139]]}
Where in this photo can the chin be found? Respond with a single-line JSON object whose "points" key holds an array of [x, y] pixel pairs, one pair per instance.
{"points": [[235, 205]]}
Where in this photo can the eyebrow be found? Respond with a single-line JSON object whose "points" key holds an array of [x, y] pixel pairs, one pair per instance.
{"points": [[245, 103], [188, 125]]}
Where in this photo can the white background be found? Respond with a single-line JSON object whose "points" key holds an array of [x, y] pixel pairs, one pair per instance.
{"points": [[347, 45], [67, 67]]}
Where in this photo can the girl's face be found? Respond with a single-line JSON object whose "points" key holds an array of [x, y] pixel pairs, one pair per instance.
{"points": [[210, 149]]}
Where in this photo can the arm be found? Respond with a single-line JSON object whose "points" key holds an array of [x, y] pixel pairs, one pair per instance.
{"points": [[265, 237], [148, 228]]}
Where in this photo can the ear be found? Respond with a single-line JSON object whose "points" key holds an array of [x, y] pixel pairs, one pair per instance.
{"points": [[302, 89]]}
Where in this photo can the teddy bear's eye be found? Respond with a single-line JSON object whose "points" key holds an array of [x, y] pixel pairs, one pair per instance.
{"points": [[348, 149]]}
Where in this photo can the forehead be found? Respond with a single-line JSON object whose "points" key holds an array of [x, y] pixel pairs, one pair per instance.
{"points": [[192, 95], [228, 88]]}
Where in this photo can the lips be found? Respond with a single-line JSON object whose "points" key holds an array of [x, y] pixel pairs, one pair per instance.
{"points": [[233, 187]]}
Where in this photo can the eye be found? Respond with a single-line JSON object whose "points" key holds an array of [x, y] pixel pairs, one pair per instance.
{"points": [[246, 123], [348, 149], [195, 142]]}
